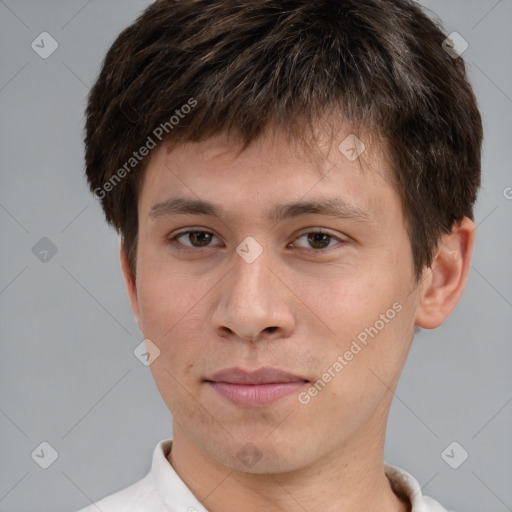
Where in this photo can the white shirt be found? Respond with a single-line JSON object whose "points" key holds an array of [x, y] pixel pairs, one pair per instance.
{"points": [[162, 490]]}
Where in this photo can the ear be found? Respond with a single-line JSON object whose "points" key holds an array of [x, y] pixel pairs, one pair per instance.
{"points": [[443, 282], [130, 281]]}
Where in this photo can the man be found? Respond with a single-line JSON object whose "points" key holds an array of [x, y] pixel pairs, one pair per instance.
{"points": [[293, 183]]}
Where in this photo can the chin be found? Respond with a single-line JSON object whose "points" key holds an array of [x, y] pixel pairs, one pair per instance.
{"points": [[261, 455]]}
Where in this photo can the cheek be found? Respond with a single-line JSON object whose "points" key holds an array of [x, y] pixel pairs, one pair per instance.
{"points": [[176, 330], [176, 325], [355, 377], [371, 322], [348, 304], [165, 295]]}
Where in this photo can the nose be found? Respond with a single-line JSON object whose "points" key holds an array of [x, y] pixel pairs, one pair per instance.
{"points": [[254, 302]]}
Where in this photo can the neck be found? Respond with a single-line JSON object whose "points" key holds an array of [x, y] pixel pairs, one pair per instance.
{"points": [[350, 479]]}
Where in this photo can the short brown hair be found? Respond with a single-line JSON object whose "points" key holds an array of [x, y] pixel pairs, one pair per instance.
{"points": [[245, 64]]}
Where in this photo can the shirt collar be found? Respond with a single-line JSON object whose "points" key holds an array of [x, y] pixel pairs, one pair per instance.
{"points": [[406, 486], [172, 489]]}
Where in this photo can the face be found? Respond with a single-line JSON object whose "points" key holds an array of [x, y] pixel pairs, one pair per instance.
{"points": [[272, 260]]}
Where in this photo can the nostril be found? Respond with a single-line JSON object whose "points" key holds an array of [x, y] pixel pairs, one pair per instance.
{"points": [[270, 329]]}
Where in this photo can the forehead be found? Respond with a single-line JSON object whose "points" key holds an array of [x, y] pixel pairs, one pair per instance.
{"points": [[274, 166]]}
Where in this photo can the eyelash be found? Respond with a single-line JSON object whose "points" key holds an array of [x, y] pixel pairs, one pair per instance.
{"points": [[174, 240]]}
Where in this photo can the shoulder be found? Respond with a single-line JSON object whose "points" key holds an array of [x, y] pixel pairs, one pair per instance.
{"points": [[140, 496]]}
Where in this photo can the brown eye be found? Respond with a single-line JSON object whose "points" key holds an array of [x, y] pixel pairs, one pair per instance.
{"points": [[199, 238], [319, 240], [193, 238]]}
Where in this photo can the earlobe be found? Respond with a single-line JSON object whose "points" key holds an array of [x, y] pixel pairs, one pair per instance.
{"points": [[444, 281], [130, 282]]}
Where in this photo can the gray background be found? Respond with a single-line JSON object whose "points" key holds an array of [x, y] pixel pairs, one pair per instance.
{"points": [[68, 375]]}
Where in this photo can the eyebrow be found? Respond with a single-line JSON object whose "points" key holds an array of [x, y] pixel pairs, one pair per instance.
{"points": [[334, 207]]}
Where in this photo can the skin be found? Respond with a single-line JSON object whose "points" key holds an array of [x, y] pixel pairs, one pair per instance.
{"points": [[297, 307]]}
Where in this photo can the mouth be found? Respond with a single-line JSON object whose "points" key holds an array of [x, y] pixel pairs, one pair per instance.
{"points": [[255, 388]]}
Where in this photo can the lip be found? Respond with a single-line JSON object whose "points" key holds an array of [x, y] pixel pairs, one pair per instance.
{"points": [[263, 375], [255, 388]]}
